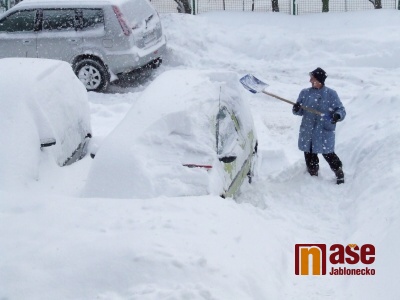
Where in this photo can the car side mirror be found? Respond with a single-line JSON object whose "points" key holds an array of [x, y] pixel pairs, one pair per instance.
{"points": [[227, 159]]}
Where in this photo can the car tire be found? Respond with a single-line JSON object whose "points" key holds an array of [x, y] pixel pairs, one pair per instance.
{"points": [[92, 74]]}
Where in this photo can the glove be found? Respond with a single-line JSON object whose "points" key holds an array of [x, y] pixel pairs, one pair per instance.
{"points": [[296, 107], [335, 118]]}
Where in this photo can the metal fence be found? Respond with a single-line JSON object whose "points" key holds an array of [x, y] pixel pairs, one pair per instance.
{"points": [[317, 6], [167, 6], [202, 6], [284, 6], [244, 5], [7, 4], [293, 7]]}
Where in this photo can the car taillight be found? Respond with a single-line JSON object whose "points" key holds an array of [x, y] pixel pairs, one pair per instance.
{"points": [[125, 28], [207, 167]]}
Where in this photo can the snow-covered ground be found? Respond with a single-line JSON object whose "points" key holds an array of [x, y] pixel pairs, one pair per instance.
{"points": [[55, 244]]}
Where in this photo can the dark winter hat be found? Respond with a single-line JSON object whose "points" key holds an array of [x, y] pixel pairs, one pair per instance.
{"points": [[319, 74]]}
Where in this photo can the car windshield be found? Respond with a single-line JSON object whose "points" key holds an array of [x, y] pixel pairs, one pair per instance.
{"points": [[226, 131]]}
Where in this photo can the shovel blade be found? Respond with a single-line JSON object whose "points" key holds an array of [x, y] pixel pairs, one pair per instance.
{"points": [[253, 84]]}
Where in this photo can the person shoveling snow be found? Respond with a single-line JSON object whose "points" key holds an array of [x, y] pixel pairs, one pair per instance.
{"points": [[317, 134]]}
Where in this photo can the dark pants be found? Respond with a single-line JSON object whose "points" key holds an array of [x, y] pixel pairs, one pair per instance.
{"points": [[312, 161]]}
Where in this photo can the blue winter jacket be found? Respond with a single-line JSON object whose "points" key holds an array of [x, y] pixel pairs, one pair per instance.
{"points": [[317, 134]]}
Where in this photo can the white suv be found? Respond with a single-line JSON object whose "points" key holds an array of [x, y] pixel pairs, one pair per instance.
{"points": [[100, 38]]}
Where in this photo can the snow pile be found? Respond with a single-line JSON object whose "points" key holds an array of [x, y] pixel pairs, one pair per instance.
{"points": [[137, 249], [373, 148]]}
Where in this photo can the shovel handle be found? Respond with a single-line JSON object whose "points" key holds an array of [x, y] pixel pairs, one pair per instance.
{"points": [[311, 110]]}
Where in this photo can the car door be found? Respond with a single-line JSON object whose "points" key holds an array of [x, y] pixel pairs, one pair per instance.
{"points": [[234, 149], [18, 37], [230, 148], [58, 38]]}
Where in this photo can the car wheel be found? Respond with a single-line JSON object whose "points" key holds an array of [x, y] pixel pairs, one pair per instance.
{"points": [[92, 74]]}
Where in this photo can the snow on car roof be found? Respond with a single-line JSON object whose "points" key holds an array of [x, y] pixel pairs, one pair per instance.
{"points": [[197, 94], [29, 70]]}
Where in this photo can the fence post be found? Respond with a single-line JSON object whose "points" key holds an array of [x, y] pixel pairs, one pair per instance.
{"points": [[325, 5], [275, 6], [193, 7], [294, 7]]}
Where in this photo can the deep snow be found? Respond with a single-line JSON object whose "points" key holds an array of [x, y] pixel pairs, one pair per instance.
{"points": [[55, 244]]}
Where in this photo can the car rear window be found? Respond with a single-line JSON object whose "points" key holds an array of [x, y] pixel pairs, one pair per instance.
{"points": [[92, 18]]}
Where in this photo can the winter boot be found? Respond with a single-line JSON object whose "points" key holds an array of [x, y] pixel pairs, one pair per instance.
{"points": [[313, 171], [339, 176]]}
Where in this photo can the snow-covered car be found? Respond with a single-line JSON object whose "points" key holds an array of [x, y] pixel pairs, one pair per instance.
{"points": [[44, 110], [190, 133]]}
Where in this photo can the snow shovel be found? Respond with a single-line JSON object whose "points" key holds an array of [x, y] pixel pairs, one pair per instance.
{"points": [[255, 85]]}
